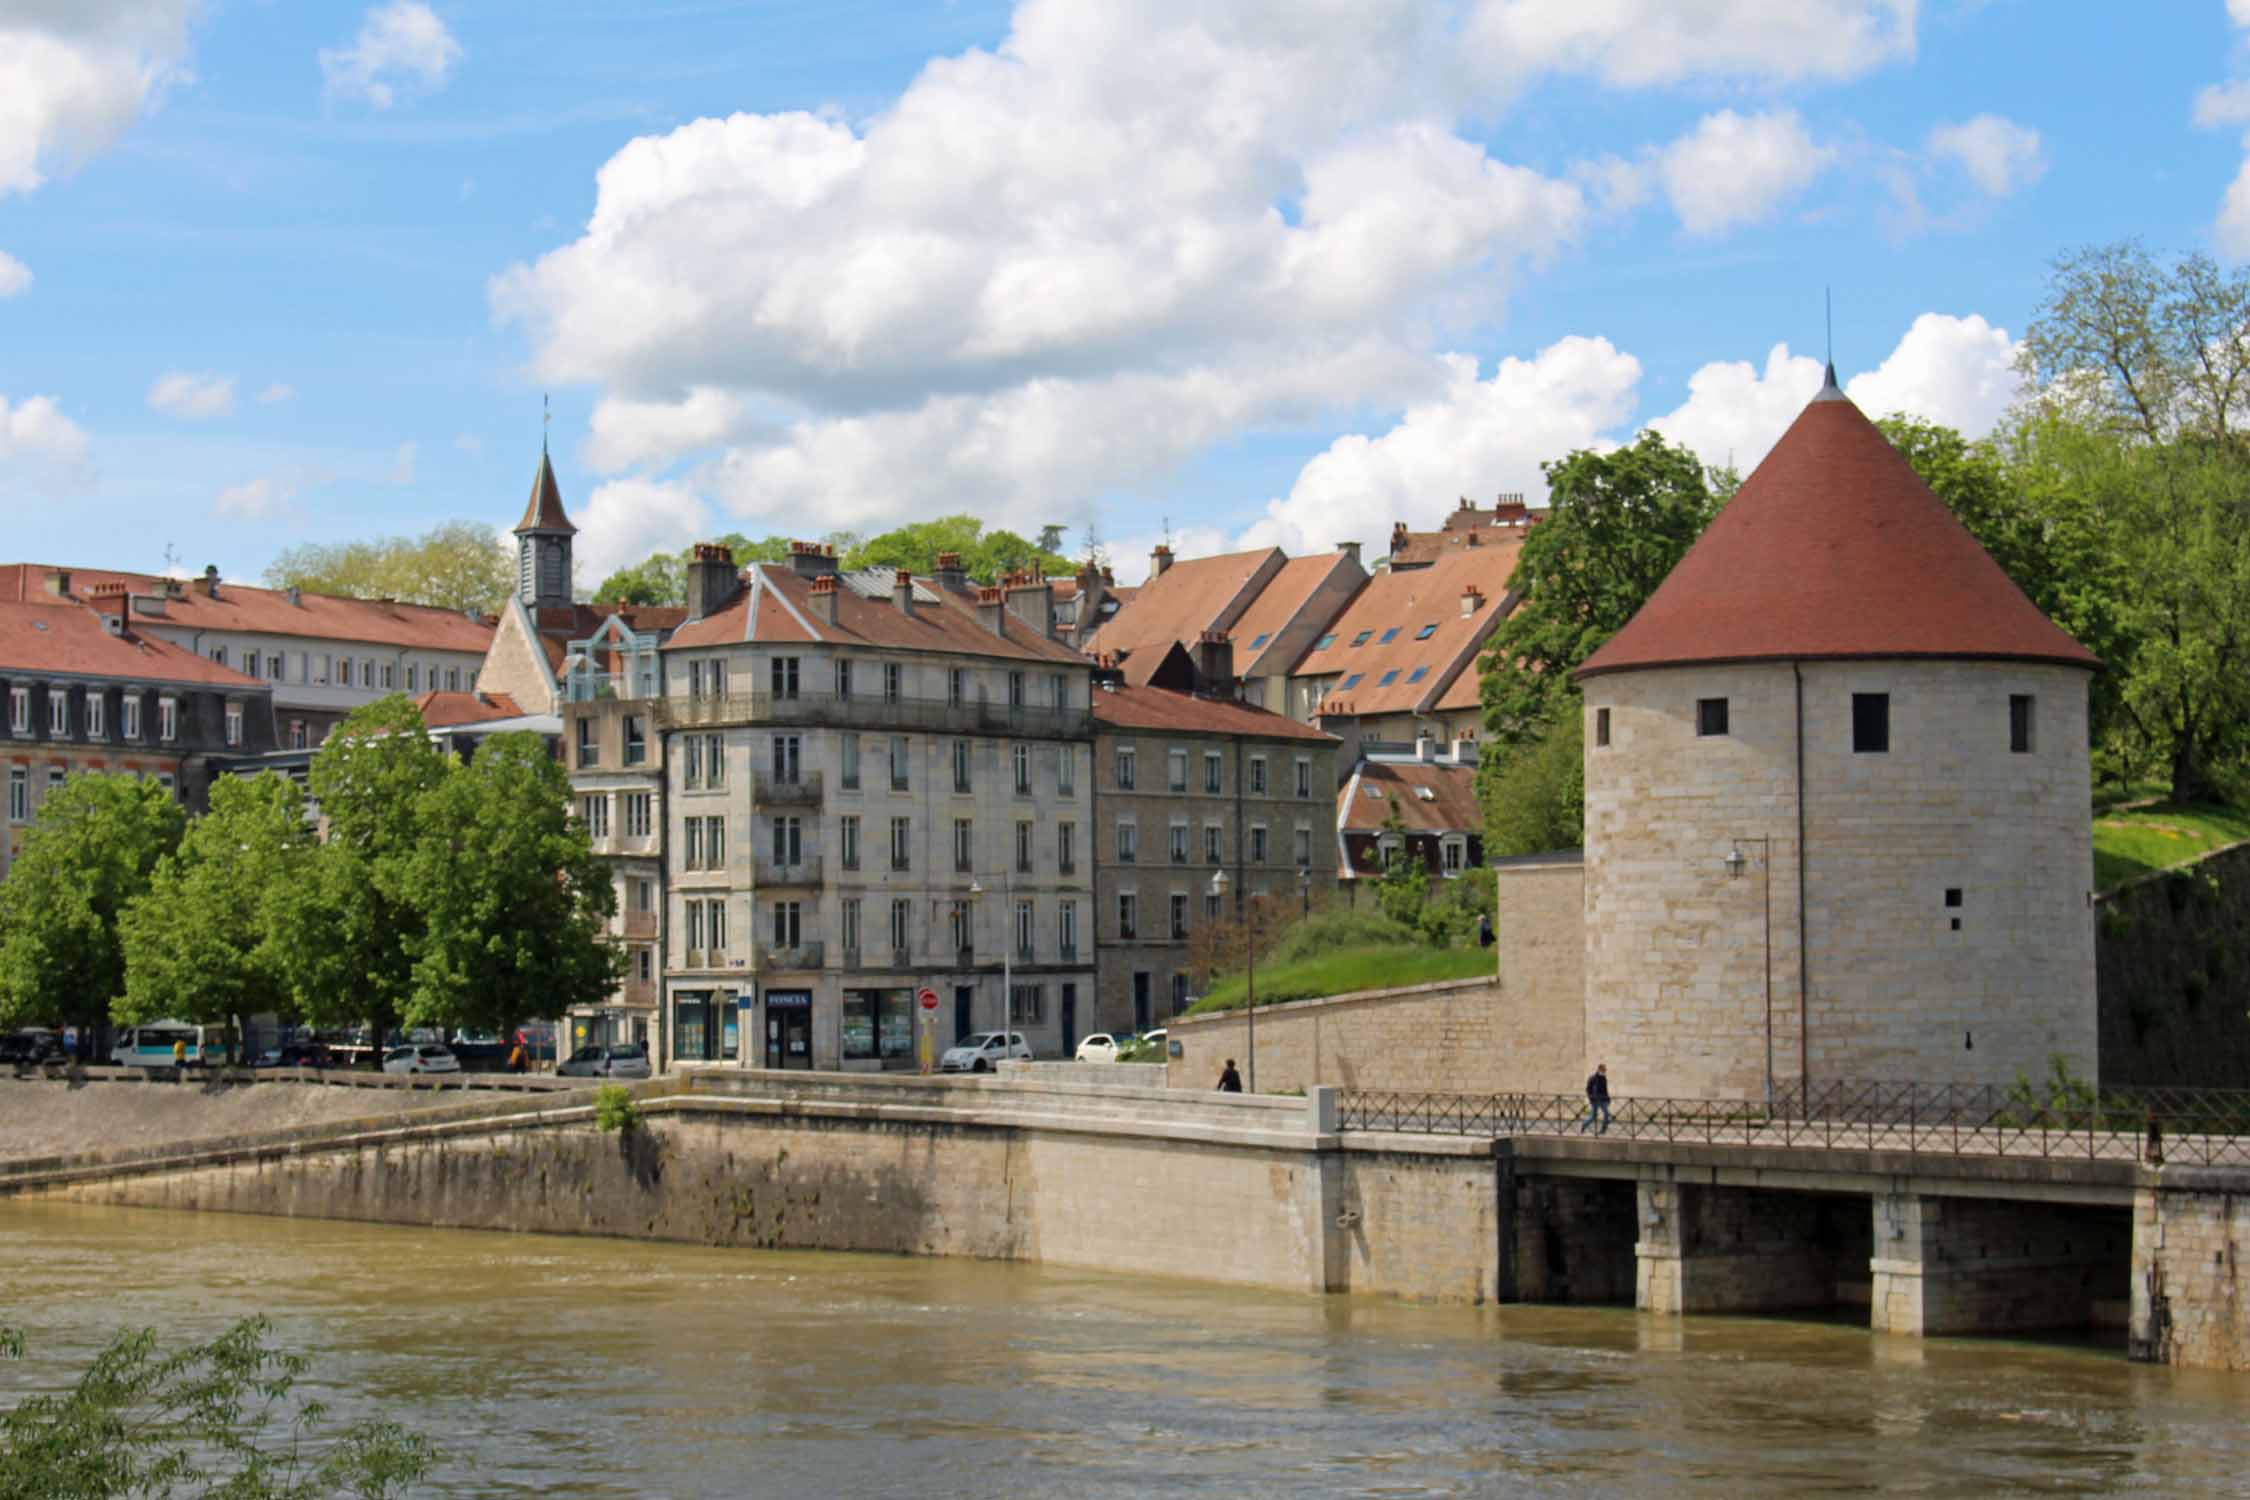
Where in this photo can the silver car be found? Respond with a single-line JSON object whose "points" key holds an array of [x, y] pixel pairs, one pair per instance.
{"points": [[621, 1060], [422, 1057]]}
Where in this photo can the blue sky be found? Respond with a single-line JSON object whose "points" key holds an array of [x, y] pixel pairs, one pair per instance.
{"points": [[1258, 272]]}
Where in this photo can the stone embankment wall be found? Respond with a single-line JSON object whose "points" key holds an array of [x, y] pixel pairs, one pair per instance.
{"points": [[2172, 965], [1441, 1037]]}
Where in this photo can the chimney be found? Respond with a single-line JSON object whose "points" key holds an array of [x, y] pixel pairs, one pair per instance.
{"points": [[1107, 674], [1509, 510], [296, 596], [210, 580], [1425, 748], [1350, 550], [1214, 665], [812, 559], [1471, 601], [824, 598], [1464, 751], [1031, 599], [949, 575], [1159, 558], [902, 592], [58, 582], [174, 589], [992, 610], [711, 579]]}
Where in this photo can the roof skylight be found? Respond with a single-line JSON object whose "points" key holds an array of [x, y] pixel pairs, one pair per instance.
{"points": [[1349, 682], [1426, 631], [1361, 638], [1417, 675], [1387, 678], [1388, 636]]}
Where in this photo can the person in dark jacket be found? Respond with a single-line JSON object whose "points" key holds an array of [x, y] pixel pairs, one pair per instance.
{"points": [[1484, 929], [1597, 1100], [1230, 1082]]}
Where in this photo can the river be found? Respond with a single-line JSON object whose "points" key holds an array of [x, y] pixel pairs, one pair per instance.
{"points": [[579, 1367]]}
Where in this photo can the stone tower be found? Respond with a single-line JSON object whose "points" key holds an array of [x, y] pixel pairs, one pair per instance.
{"points": [[543, 544], [1836, 798]]}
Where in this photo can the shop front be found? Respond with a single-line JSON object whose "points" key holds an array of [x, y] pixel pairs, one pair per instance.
{"points": [[878, 1029], [789, 1029], [704, 1026]]}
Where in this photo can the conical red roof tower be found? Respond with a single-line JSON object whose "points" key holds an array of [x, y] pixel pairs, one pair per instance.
{"points": [[1835, 549]]}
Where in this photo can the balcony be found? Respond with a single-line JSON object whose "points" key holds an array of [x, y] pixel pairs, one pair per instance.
{"points": [[826, 710], [638, 992], [640, 925], [767, 791], [788, 960], [803, 871], [852, 959], [1067, 953]]}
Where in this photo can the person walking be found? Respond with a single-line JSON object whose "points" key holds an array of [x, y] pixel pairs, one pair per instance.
{"points": [[1597, 1100], [179, 1060], [1484, 929], [1230, 1082], [515, 1058]]}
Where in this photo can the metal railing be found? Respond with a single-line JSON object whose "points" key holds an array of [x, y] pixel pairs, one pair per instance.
{"points": [[873, 712], [768, 790], [2151, 1126], [804, 870]]}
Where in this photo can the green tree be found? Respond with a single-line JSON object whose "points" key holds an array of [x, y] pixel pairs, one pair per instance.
{"points": [[985, 555], [90, 853], [205, 941], [514, 907], [1536, 800], [348, 929], [457, 565], [211, 1419], [661, 577], [1404, 889]]}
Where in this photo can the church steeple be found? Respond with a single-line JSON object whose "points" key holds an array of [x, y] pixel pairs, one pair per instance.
{"points": [[543, 543]]}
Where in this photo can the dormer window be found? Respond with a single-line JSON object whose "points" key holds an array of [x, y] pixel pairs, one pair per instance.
{"points": [[167, 719], [58, 712]]}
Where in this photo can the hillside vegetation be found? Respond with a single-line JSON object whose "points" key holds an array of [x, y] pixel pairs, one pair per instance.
{"points": [[2135, 841]]}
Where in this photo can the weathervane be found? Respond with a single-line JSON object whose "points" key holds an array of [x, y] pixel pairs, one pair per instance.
{"points": [[546, 421]]}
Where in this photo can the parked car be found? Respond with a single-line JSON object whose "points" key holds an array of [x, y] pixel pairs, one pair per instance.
{"points": [[294, 1055], [30, 1045], [983, 1052], [1100, 1047], [622, 1060], [421, 1057]]}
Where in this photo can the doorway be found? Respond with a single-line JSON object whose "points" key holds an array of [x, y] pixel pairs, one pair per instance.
{"points": [[964, 1011], [789, 1029], [1141, 1002]]}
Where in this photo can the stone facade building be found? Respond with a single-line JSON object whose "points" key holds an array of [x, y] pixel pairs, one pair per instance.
{"points": [[1836, 798], [1433, 797], [1189, 784]]}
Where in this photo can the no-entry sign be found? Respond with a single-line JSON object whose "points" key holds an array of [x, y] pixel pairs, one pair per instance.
{"points": [[927, 996]]}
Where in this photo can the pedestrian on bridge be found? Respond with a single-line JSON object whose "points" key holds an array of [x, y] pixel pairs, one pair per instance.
{"points": [[1230, 1081], [1597, 1100]]}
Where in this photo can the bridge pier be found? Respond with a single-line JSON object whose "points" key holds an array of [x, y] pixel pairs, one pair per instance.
{"points": [[1706, 1248], [1979, 1265]]}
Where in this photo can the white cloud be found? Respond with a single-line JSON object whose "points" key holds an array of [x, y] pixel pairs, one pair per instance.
{"points": [[192, 396], [256, 500], [625, 520], [1636, 43], [630, 432], [2233, 227], [1998, 154], [1737, 169], [1472, 437], [2238, 11], [75, 74], [402, 463], [400, 46], [15, 276], [276, 392], [40, 447], [2223, 104], [1958, 371]]}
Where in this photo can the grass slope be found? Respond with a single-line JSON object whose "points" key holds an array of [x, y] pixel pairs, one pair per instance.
{"points": [[1345, 970], [2130, 842]]}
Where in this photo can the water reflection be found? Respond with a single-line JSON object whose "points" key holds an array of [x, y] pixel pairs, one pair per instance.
{"points": [[568, 1368]]}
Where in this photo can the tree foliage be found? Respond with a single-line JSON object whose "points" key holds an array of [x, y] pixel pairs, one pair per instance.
{"points": [[457, 565], [209, 1419], [206, 942], [1535, 800], [92, 851], [662, 577]]}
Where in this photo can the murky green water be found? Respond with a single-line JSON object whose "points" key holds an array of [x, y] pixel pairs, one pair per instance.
{"points": [[562, 1367]]}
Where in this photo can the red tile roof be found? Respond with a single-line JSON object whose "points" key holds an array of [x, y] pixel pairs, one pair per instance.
{"points": [[1130, 707], [1835, 548], [257, 611], [440, 710], [1276, 605], [1466, 526], [72, 639], [1430, 798], [1401, 604], [776, 605], [1191, 596], [544, 510]]}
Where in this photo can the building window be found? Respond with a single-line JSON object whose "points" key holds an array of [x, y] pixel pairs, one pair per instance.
{"points": [[413, 677], [1214, 844], [1179, 914], [902, 843], [1304, 777], [1213, 777], [367, 672], [1257, 843], [956, 687], [19, 795], [1257, 775], [644, 895], [848, 927], [691, 854], [847, 838], [2019, 723], [964, 846], [644, 964], [1015, 690], [639, 814], [95, 705], [784, 680], [58, 712], [1060, 686], [129, 716], [390, 674], [1067, 926], [1871, 723], [219, 655], [594, 813], [1066, 770], [957, 927], [234, 724], [1127, 769], [890, 682], [900, 761], [714, 761], [1066, 847], [1175, 766], [1179, 844], [1128, 916], [1601, 728], [636, 740], [843, 677], [1451, 851], [962, 753], [788, 759], [167, 719], [1023, 846], [902, 924], [1710, 716], [849, 755], [19, 710], [1024, 929], [297, 737], [715, 924], [343, 671], [1210, 907], [1019, 757], [589, 752], [1304, 849], [788, 924], [788, 843], [1027, 1005], [1179, 993], [691, 761], [1128, 842]]}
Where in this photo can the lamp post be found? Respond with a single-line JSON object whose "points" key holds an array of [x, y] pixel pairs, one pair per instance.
{"points": [[1249, 978], [1736, 862], [1007, 956], [1304, 890]]}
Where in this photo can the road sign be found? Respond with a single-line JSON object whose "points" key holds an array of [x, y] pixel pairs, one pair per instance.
{"points": [[928, 997]]}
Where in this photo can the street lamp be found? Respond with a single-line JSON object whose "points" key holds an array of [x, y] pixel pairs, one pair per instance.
{"points": [[1249, 977], [1304, 890], [1007, 957], [1736, 863]]}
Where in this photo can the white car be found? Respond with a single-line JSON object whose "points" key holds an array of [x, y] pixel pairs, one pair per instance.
{"points": [[422, 1057], [983, 1052], [1100, 1047]]}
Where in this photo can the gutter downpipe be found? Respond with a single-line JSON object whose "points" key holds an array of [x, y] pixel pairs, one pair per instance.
{"points": [[1804, 1068]]}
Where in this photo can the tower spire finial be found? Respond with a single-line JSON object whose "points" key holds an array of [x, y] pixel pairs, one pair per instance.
{"points": [[546, 421], [1828, 312]]}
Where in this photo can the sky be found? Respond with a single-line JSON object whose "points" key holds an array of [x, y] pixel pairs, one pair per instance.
{"points": [[1268, 272]]}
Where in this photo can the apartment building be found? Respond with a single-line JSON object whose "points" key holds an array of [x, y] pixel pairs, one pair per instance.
{"points": [[1502, 524], [861, 785], [85, 690], [1191, 783], [320, 655], [1423, 805]]}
